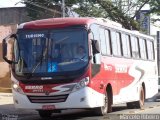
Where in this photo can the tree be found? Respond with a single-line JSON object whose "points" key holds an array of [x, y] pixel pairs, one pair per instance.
{"points": [[155, 8], [112, 9], [40, 9]]}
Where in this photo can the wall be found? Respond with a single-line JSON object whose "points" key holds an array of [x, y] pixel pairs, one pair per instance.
{"points": [[4, 67], [13, 15]]}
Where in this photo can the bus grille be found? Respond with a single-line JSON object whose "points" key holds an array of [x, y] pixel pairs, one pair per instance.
{"points": [[48, 99]]}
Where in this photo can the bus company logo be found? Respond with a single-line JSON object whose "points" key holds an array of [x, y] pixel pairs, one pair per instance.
{"points": [[108, 67], [121, 68], [34, 36], [36, 87]]}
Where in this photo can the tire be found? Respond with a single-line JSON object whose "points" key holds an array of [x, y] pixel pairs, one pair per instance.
{"points": [[139, 103], [107, 108], [45, 113]]}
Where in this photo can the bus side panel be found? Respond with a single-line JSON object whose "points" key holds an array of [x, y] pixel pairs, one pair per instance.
{"points": [[126, 76]]}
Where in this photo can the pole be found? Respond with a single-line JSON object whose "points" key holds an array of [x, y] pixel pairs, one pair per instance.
{"points": [[63, 8], [158, 55]]}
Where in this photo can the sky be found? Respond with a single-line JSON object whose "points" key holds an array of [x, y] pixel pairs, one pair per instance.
{"points": [[10, 3]]}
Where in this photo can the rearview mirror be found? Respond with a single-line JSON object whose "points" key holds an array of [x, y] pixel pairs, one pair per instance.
{"points": [[4, 48]]}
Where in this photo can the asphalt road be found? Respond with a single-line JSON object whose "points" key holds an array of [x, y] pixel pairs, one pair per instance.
{"points": [[8, 112]]}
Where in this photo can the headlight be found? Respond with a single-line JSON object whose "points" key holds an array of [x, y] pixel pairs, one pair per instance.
{"points": [[17, 88], [81, 84]]}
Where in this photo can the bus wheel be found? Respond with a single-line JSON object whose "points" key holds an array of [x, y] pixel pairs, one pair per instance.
{"points": [[45, 113], [140, 103], [107, 106]]}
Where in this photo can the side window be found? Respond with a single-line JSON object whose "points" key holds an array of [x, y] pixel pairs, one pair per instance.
{"points": [[115, 40], [103, 41], [150, 49], [107, 33], [95, 31], [95, 35], [142, 45], [125, 45], [134, 47]]}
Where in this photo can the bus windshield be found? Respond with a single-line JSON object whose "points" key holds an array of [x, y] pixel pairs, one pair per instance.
{"points": [[45, 52]]}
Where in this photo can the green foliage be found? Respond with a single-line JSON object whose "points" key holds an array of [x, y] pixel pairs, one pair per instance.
{"points": [[39, 9], [90, 10], [155, 7]]}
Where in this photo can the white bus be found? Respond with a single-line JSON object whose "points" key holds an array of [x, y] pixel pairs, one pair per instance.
{"points": [[119, 66]]}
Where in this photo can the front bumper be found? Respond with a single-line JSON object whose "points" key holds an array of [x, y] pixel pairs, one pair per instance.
{"points": [[84, 98]]}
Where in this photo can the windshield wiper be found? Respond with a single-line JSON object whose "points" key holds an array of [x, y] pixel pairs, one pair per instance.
{"points": [[41, 60], [44, 54], [42, 57]]}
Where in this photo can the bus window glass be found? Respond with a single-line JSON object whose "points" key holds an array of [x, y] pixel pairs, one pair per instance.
{"points": [[134, 47], [54, 51], [142, 48], [95, 32], [150, 50], [115, 38], [125, 45], [95, 35], [103, 42], [108, 42]]}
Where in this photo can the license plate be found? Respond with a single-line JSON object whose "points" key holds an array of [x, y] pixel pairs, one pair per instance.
{"points": [[48, 107]]}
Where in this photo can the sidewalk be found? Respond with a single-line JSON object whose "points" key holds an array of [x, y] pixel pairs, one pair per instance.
{"points": [[6, 98]]}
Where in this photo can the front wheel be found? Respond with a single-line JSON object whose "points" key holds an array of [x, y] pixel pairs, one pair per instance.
{"points": [[45, 113], [107, 108]]}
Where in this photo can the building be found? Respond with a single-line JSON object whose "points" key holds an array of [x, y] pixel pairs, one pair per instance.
{"points": [[9, 19], [13, 15]]}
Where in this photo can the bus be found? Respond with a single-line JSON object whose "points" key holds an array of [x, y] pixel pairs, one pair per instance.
{"points": [[119, 65]]}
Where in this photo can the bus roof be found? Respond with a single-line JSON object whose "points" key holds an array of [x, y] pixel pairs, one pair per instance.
{"points": [[70, 21], [55, 23]]}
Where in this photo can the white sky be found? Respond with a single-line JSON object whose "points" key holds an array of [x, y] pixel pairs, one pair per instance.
{"points": [[10, 3]]}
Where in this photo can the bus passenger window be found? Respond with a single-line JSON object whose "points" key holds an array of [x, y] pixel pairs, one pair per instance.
{"points": [[134, 47], [142, 48], [115, 38], [107, 32], [103, 42], [126, 46], [150, 49]]}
